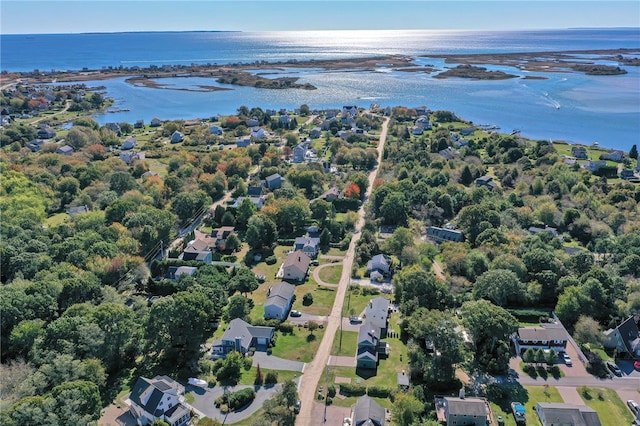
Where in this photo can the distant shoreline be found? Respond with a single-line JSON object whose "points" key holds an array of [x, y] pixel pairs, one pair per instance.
{"points": [[558, 61]]}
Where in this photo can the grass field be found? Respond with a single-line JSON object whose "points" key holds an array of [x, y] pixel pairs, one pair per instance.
{"points": [[331, 274], [610, 408], [323, 298], [57, 219], [537, 394], [299, 346], [248, 376], [348, 346]]}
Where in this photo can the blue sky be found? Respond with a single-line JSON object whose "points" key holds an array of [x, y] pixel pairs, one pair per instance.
{"points": [[76, 16]]}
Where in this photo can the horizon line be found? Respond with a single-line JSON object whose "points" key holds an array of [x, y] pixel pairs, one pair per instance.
{"points": [[322, 30]]}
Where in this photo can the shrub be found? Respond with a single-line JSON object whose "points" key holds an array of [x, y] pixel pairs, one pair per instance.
{"points": [[348, 389], [271, 260], [378, 391], [271, 378], [240, 398], [286, 328], [248, 362], [331, 391], [307, 299]]}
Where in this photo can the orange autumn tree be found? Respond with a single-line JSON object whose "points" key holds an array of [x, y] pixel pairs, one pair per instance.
{"points": [[352, 191]]}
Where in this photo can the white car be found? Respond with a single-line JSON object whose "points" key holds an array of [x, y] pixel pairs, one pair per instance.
{"points": [[346, 421], [567, 359], [198, 382]]}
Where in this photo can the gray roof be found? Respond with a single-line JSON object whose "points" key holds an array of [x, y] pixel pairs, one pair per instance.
{"points": [[369, 333], [560, 414], [299, 260], [306, 241], [238, 328], [542, 333], [377, 312], [151, 391], [273, 177], [369, 412], [467, 406], [280, 294], [403, 379]]}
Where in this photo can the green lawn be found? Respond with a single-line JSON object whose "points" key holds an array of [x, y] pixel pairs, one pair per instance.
{"points": [[299, 346], [323, 298], [348, 346], [331, 274], [608, 405], [537, 394], [57, 219], [357, 302], [248, 376]]}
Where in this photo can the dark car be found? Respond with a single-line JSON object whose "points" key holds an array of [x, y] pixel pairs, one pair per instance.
{"points": [[296, 407], [614, 368], [296, 314]]}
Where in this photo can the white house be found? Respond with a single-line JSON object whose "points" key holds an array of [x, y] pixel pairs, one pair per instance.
{"points": [[240, 336], [544, 336], [259, 133], [380, 263], [159, 398], [129, 143], [279, 300], [309, 245]]}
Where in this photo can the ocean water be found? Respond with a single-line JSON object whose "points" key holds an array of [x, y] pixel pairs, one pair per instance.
{"points": [[566, 106]]}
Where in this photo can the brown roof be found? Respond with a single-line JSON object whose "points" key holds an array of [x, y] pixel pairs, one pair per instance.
{"points": [[467, 406], [297, 259], [542, 333]]}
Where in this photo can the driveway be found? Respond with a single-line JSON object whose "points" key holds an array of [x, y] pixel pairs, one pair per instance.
{"points": [[332, 413], [570, 395], [205, 401], [342, 361], [274, 363]]}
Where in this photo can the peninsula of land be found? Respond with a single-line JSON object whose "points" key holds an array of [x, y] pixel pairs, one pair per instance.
{"points": [[246, 74]]}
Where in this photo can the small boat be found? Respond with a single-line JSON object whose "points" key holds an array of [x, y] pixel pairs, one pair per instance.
{"points": [[519, 413]]}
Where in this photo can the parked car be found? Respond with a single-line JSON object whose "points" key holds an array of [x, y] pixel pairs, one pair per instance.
{"points": [[296, 314], [567, 359], [296, 407], [633, 406], [614, 368]]}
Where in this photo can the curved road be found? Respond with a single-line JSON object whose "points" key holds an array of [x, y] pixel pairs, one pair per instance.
{"points": [[315, 369]]}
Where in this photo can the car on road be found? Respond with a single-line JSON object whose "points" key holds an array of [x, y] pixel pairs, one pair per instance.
{"points": [[567, 359], [296, 407], [633, 406], [346, 421], [355, 320], [614, 368], [296, 314]]}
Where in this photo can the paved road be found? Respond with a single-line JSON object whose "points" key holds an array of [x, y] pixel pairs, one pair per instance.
{"points": [[315, 369]]}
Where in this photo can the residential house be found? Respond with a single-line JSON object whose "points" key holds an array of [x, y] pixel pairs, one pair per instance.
{"points": [[65, 150], [348, 120], [486, 181], [417, 131], [615, 155], [422, 110], [327, 123], [380, 263], [439, 235], [259, 133], [625, 338], [274, 181], [536, 230], [403, 380], [371, 332], [560, 414], [202, 244], [279, 301], [147, 175], [216, 130], [129, 143], [35, 145], [367, 412], [309, 246], [449, 153], [284, 120], [130, 156], [139, 124], [350, 110], [160, 398], [594, 166], [569, 161], [114, 127], [423, 123], [175, 272], [463, 411], [315, 133], [257, 201], [467, 131], [331, 194], [544, 336], [579, 152], [254, 191], [192, 253], [252, 122], [627, 174], [177, 137], [300, 152], [296, 266], [72, 211], [241, 336], [45, 132], [155, 122], [220, 235], [243, 141]]}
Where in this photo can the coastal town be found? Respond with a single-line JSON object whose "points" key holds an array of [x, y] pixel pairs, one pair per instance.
{"points": [[388, 265]]}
